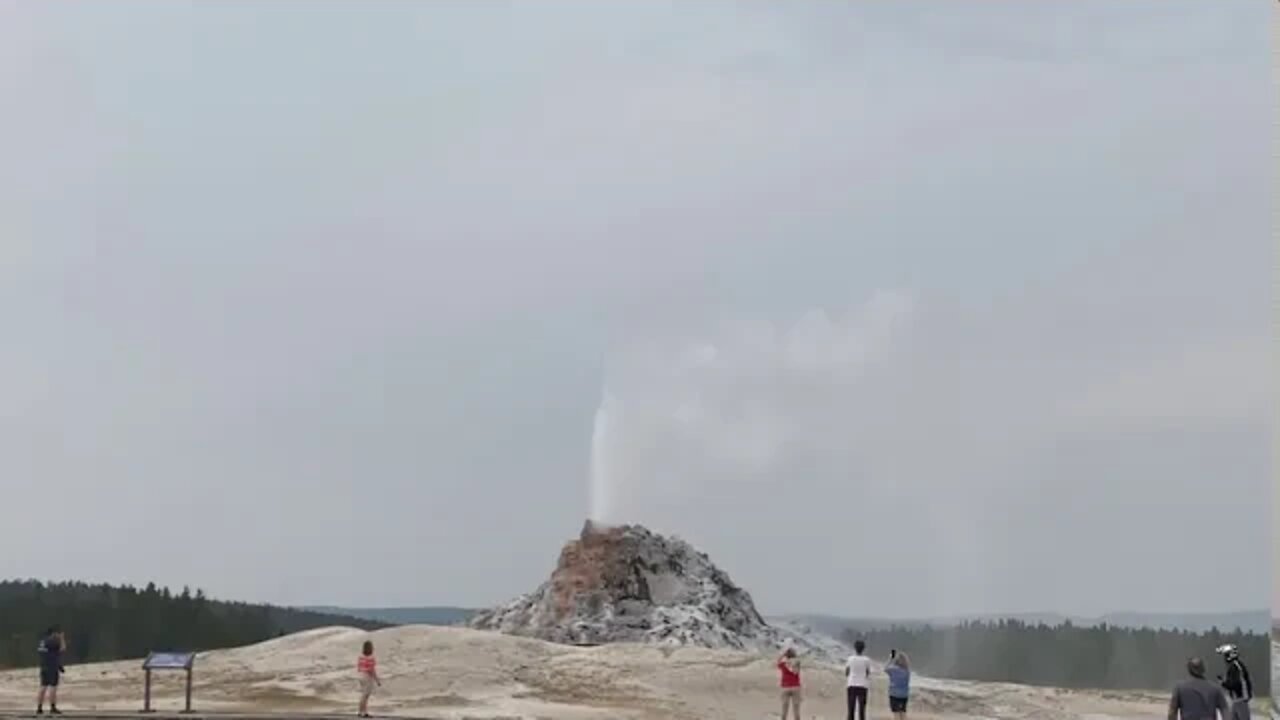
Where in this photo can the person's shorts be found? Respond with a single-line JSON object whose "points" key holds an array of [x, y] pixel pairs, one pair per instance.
{"points": [[367, 684], [791, 693], [49, 677], [897, 704]]}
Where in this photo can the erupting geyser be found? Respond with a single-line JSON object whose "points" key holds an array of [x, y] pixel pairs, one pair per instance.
{"points": [[626, 583], [601, 475]]}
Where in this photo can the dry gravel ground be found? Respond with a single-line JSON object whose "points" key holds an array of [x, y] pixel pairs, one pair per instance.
{"points": [[456, 674]]}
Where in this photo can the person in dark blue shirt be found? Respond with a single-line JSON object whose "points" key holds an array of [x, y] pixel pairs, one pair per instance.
{"points": [[51, 647], [1198, 699]]}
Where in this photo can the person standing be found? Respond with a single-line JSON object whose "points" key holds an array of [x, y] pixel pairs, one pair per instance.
{"points": [[1237, 684], [899, 671], [1195, 698], [789, 667], [857, 672], [367, 668], [51, 647]]}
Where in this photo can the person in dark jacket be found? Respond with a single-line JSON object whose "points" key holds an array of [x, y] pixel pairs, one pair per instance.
{"points": [[50, 649], [1196, 698], [1237, 683]]}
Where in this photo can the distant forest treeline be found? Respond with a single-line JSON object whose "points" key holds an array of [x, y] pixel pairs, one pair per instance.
{"points": [[426, 615], [1066, 655], [103, 622]]}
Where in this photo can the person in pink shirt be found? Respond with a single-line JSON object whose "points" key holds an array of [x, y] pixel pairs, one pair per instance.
{"points": [[367, 668], [789, 667]]}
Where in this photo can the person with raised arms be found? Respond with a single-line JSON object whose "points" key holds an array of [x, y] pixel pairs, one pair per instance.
{"points": [[789, 667], [51, 647], [899, 671]]}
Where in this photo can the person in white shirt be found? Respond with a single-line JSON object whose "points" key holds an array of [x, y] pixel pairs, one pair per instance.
{"points": [[857, 671]]}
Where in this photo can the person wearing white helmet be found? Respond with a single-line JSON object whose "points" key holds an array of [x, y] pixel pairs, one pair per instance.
{"points": [[1237, 683]]}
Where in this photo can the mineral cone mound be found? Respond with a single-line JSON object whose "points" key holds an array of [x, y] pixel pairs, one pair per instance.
{"points": [[628, 584]]}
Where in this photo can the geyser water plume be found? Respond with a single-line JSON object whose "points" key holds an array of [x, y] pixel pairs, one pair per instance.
{"points": [[599, 498], [730, 409]]}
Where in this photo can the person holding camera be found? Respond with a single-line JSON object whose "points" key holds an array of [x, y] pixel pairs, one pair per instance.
{"points": [[51, 647], [789, 667], [899, 671]]}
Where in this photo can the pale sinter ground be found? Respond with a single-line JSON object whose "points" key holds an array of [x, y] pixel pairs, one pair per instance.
{"points": [[458, 673]]}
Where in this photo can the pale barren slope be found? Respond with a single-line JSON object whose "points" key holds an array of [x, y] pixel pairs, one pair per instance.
{"points": [[462, 673]]}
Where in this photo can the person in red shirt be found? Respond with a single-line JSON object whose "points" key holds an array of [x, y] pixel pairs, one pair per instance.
{"points": [[367, 668], [789, 666]]}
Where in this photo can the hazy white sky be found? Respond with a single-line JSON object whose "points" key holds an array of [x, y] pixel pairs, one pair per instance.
{"points": [[900, 308]]}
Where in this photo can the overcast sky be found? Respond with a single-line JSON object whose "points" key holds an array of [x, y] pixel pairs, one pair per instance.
{"points": [[893, 309]]}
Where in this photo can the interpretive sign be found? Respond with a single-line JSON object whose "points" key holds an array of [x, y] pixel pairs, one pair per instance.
{"points": [[166, 661], [169, 661]]}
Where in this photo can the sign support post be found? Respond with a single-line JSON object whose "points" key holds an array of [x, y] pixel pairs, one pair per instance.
{"points": [[167, 661]]}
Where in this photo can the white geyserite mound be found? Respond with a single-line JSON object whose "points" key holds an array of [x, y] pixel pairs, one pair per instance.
{"points": [[628, 584]]}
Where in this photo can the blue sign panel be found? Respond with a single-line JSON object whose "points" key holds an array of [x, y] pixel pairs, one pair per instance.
{"points": [[169, 661]]}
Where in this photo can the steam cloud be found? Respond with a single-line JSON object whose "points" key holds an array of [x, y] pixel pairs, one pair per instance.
{"points": [[681, 414]]}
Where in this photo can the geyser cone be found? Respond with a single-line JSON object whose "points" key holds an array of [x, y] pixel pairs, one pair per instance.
{"points": [[625, 583]]}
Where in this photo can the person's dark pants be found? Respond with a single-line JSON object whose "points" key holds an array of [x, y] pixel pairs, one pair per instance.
{"points": [[857, 699]]}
